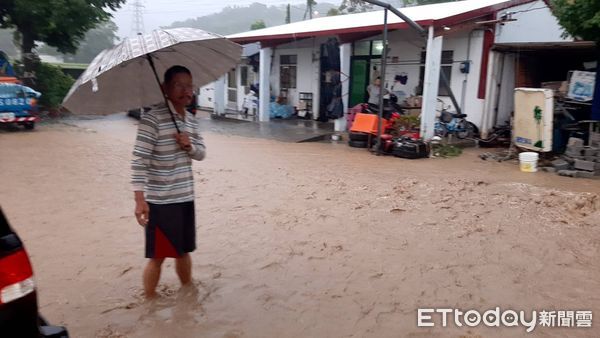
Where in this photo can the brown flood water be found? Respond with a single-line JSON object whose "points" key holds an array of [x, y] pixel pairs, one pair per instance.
{"points": [[300, 240]]}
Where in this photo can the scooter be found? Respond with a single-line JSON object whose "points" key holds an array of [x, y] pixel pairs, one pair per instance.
{"points": [[456, 124], [390, 106]]}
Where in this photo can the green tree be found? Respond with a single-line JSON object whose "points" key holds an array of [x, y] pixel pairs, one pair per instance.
{"points": [[97, 39], [354, 6], [259, 24], [288, 14], [58, 23], [309, 9], [53, 83], [581, 19], [333, 12]]}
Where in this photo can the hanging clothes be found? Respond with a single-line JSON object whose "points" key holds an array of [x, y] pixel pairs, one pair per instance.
{"points": [[335, 108]]}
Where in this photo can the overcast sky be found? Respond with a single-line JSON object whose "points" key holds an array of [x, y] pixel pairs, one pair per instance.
{"points": [[164, 12]]}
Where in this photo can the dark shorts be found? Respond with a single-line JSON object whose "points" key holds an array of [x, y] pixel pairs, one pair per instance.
{"points": [[171, 230]]}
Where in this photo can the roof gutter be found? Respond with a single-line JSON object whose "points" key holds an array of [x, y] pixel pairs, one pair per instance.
{"points": [[294, 36]]}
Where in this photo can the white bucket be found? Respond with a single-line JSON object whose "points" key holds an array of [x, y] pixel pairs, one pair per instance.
{"points": [[528, 162]]}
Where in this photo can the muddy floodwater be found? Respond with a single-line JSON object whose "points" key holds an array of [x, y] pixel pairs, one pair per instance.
{"points": [[300, 240]]}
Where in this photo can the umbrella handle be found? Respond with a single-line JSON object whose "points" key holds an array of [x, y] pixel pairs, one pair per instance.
{"points": [[151, 62]]}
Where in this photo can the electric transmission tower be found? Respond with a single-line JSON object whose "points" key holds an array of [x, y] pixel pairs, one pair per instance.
{"points": [[137, 26]]}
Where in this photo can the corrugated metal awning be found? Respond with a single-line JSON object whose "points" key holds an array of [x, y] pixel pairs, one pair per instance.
{"points": [[537, 46]]}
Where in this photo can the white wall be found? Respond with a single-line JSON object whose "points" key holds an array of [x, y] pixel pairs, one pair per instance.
{"points": [[537, 24], [206, 98], [207, 93], [407, 47], [473, 106], [308, 68], [220, 95]]}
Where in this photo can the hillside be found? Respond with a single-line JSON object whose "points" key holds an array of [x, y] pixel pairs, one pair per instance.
{"points": [[239, 18]]}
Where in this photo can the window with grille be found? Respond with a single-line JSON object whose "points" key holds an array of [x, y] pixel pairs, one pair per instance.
{"points": [[447, 60], [288, 71]]}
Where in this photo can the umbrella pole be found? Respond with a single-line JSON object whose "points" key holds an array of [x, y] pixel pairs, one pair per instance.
{"points": [[151, 62]]}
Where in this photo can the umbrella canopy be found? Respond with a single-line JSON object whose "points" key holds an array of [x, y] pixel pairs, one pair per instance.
{"points": [[121, 78]]}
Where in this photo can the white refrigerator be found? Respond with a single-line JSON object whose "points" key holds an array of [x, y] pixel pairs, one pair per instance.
{"points": [[534, 118]]}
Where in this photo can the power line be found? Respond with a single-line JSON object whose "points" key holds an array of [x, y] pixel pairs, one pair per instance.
{"points": [[530, 10]]}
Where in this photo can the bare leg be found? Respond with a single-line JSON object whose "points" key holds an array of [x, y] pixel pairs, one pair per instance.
{"points": [[183, 266], [151, 276]]}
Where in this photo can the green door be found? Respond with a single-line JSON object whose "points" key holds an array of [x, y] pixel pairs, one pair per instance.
{"points": [[359, 81]]}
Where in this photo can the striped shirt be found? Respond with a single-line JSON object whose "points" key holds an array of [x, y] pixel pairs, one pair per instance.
{"points": [[160, 167]]}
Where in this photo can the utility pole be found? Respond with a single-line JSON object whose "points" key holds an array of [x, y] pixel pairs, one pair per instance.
{"points": [[137, 27], [309, 9]]}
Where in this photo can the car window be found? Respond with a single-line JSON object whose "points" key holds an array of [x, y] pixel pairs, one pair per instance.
{"points": [[9, 241], [4, 227], [8, 91]]}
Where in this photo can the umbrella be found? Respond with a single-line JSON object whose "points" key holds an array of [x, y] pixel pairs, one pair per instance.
{"points": [[126, 76]]}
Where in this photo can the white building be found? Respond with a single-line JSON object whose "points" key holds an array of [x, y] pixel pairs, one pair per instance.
{"points": [[477, 43], [234, 86]]}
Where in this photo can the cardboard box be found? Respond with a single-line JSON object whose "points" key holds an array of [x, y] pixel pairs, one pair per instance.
{"points": [[558, 87]]}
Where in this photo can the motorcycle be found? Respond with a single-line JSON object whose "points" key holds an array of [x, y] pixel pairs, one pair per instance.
{"points": [[455, 124]]}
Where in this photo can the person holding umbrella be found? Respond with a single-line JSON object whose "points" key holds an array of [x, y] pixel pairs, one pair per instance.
{"points": [[163, 182], [125, 76]]}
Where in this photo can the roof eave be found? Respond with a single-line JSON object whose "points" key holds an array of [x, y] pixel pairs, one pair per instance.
{"points": [[478, 13], [375, 29], [448, 21]]}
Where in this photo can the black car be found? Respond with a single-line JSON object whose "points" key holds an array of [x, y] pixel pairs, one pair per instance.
{"points": [[19, 315]]}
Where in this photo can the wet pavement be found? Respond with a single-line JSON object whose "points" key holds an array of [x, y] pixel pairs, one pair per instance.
{"points": [[299, 240], [289, 130]]}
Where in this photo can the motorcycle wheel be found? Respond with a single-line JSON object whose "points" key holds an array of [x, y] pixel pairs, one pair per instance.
{"points": [[440, 130], [464, 130]]}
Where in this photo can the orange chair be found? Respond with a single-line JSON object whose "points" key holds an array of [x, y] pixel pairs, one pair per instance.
{"points": [[367, 123]]}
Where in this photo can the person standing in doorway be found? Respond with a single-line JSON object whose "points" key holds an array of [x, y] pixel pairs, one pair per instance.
{"points": [[163, 182], [374, 91]]}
